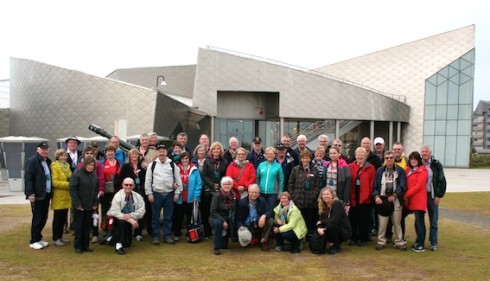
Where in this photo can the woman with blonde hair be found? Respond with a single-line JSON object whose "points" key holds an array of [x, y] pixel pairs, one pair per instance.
{"points": [[333, 224], [61, 202]]}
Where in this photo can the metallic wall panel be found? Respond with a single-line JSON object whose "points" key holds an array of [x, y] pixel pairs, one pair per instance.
{"points": [[402, 70], [54, 102], [302, 94]]}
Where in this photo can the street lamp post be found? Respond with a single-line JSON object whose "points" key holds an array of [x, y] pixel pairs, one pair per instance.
{"points": [[163, 81]]}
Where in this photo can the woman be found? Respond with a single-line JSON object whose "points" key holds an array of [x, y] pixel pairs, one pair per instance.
{"points": [[362, 179], [270, 177], [199, 157], [61, 202], [289, 225], [242, 172], [111, 170], [337, 176], [416, 197], [127, 208], [83, 192], [191, 191], [89, 152], [214, 169], [133, 169], [319, 162], [304, 188], [223, 206], [333, 224], [174, 154]]}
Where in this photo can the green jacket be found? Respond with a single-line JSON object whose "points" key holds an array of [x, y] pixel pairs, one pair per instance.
{"points": [[295, 221]]}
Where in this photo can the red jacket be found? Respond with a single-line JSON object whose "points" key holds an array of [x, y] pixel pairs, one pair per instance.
{"points": [[247, 177], [416, 195], [367, 174]]}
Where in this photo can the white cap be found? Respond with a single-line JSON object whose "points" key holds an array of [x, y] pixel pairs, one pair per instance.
{"points": [[244, 236], [379, 140]]}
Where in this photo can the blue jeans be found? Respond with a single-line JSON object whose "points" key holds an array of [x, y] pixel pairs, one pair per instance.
{"points": [[433, 211], [220, 242], [166, 202], [420, 227], [271, 200]]}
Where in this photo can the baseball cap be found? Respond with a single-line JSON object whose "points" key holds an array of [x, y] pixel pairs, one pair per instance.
{"points": [[379, 140], [161, 145], [43, 144], [280, 146], [244, 236], [257, 140]]}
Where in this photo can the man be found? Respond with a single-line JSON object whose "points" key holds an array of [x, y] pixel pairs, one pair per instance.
{"points": [[148, 152], [254, 215], [97, 154], [256, 156], [379, 147], [338, 143], [287, 163], [119, 155], [371, 158], [74, 155], [301, 146], [163, 186], [230, 154], [436, 188], [323, 142], [390, 184], [182, 140], [204, 140], [153, 139], [38, 191], [290, 153], [400, 158]]}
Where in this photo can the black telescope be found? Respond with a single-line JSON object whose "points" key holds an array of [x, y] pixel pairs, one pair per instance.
{"points": [[100, 131]]}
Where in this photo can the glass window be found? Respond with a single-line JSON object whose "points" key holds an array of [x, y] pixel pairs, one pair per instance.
{"points": [[452, 127], [429, 127], [430, 93], [441, 112], [440, 129], [439, 149], [429, 140], [464, 127], [463, 151], [430, 112], [450, 154], [466, 93], [464, 112], [452, 93], [452, 112], [442, 93]]}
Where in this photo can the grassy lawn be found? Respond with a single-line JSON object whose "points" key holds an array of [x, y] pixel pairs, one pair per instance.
{"points": [[463, 255]]}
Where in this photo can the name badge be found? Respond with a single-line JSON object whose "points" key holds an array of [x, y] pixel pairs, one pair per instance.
{"points": [[358, 182]]}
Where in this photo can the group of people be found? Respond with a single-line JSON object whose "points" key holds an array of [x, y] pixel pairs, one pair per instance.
{"points": [[296, 196]]}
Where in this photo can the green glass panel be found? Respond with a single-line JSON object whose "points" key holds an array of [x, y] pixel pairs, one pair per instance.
{"points": [[468, 71], [452, 112], [441, 112], [429, 127], [454, 66], [442, 93], [433, 79], [444, 73], [439, 148], [440, 129], [450, 153], [464, 127], [466, 93], [430, 93], [464, 112], [452, 93], [451, 127], [430, 112]]}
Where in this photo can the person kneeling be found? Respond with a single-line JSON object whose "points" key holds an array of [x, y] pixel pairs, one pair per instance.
{"points": [[127, 208], [288, 224], [333, 225], [254, 217]]}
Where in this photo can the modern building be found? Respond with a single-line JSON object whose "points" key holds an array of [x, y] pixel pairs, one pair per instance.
{"points": [[481, 127], [419, 92]]}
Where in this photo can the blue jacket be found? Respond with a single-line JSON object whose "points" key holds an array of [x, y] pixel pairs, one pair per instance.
{"points": [[400, 178], [194, 186], [270, 178], [255, 158], [243, 210]]}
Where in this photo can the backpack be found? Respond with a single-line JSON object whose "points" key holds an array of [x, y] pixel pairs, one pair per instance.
{"points": [[153, 168]]}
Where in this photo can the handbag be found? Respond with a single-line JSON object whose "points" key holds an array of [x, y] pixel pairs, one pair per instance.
{"points": [[195, 229], [317, 244]]}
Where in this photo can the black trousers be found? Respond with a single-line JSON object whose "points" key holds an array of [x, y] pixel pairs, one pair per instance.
{"points": [[334, 235], [122, 232], [205, 213], [181, 211], [40, 209], [360, 220], [310, 215], [82, 222], [59, 221]]}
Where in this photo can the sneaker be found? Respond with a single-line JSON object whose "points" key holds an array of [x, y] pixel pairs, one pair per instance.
{"points": [[353, 243], [379, 247], [95, 239], [334, 250], [176, 238], [64, 241], [433, 247], [155, 242], [402, 247], [169, 240], [295, 251], [139, 238], [264, 246], [44, 243], [362, 243], [59, 243], [36, 246], [278, 248], [217, 252], [418, 248]]}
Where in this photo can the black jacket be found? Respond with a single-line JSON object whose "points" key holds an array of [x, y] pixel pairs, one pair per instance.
{"points": [[212, 172], [35, 177], [243, 210], [83, 189], [338, 218]]}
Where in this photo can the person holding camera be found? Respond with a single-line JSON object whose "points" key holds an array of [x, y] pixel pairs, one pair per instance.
{"points": [[389, 188], [254, 215]]}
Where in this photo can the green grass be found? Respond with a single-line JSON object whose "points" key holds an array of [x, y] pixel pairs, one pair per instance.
{"points": [[463, 255]]}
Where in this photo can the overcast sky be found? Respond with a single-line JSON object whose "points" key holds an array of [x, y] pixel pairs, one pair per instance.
{"points": [[98, 37]]}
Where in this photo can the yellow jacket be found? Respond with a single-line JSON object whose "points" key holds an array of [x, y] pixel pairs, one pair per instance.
{"points": [[295, 221], [60, 176]]}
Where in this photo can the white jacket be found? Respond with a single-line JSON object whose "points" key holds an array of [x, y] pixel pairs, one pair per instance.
{"points": [[119, 202]]}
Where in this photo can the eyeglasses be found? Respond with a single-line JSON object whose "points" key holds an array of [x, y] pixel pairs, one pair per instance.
{"points": [[128, 184], [387, 158], [339, 145]]}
